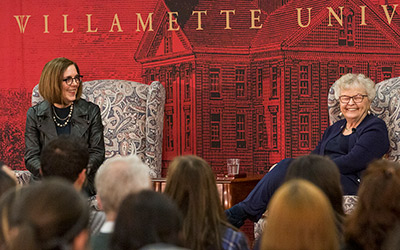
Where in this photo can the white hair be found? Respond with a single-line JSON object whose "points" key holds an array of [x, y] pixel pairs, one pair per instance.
{"points": [[350, 80], [118, 177]]}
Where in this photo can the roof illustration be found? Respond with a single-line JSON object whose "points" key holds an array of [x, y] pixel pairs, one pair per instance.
{"points": [[282, 31], [213, 37]]}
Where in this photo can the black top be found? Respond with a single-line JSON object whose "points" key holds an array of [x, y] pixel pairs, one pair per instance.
{"points": [[338, 146], [62, 113]]}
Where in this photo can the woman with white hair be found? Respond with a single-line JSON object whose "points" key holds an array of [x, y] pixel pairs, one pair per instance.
{"points": [[352, 143]]}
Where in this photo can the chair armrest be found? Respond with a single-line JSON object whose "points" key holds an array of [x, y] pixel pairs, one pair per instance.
{"points": [[154, 125]]}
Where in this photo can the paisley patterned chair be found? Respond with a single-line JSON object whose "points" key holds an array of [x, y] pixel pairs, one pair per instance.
{"points": [[132, 114]]}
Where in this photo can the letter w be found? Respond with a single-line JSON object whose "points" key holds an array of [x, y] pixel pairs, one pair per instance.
{"points": [[21, 23]]}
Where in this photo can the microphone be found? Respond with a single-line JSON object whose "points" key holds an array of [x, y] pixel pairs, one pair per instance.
{"points": [[353, 130]]}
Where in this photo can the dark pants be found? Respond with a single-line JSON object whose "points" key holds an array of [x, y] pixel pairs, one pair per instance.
{"points": [[255, 204]]}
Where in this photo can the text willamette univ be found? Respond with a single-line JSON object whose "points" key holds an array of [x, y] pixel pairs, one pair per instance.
{"points": [[146, 24]]}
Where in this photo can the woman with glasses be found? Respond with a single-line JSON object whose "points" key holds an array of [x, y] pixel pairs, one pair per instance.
{"points": [[63, 112], [351, 143]]}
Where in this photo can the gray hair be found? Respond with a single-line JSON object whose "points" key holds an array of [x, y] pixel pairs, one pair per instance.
{"points": [[350, 80], [118, 177]]}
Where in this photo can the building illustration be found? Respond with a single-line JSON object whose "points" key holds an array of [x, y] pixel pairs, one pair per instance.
{"points": [[250, 80]]}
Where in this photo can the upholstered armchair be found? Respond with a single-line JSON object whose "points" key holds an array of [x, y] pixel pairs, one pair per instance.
{"points": [[132, 115]]}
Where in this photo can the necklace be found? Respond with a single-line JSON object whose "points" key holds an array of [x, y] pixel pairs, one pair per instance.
{"points": [[66, 119]]}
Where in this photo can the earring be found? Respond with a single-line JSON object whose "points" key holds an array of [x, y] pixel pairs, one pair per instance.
{"points": [[369, 112], [340, 114]]}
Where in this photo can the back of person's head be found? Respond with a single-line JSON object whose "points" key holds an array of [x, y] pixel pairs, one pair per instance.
{"points": [[191, 184], [49, 215], [119, 176], [145, 218], [322, 172], [6, 208], [66, 157], [299, 217], [378, 208], [7, 181]]}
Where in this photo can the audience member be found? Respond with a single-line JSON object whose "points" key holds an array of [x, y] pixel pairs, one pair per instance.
{"points": [[191, 184], [299, 217], [7, 179], [322, 172], [7, 201], [147, 220], [392, 240], [116, 178], [67, 157], [377, 214], [48, 215]]}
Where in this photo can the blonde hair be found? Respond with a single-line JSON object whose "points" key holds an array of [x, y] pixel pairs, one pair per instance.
{"points": [[300, 217], [50, 83]]}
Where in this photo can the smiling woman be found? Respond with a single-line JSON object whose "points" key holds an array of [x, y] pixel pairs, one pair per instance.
{"points": [[63, 112]]}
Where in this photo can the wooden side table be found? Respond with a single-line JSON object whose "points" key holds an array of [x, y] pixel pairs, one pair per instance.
{"points": [[231, 190]]}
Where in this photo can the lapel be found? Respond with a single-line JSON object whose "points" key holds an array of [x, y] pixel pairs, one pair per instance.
{"points": [[80, 118], [338, 129], [45, 121]]}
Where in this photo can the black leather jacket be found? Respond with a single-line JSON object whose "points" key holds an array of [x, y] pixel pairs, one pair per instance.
{"points": [[41, 129]]}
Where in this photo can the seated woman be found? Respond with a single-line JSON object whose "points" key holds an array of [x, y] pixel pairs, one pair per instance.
{"points": [[63, 112], [147, 220], [191, 184], [351, 143], [376, 219], [300, 217]]}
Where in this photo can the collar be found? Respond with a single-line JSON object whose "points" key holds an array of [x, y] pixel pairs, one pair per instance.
{"points": [[80, 108], [361, 125], [44, 109]]}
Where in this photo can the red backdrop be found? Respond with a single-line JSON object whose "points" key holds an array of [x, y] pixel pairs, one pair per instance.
{"points": [[233, 90]]}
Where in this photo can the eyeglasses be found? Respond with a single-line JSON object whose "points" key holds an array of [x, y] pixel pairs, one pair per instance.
{"points": [[356, 98], [69, 80]]}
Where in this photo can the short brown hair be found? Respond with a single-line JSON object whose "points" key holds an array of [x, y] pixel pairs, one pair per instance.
{"points": [[51, 80]]}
